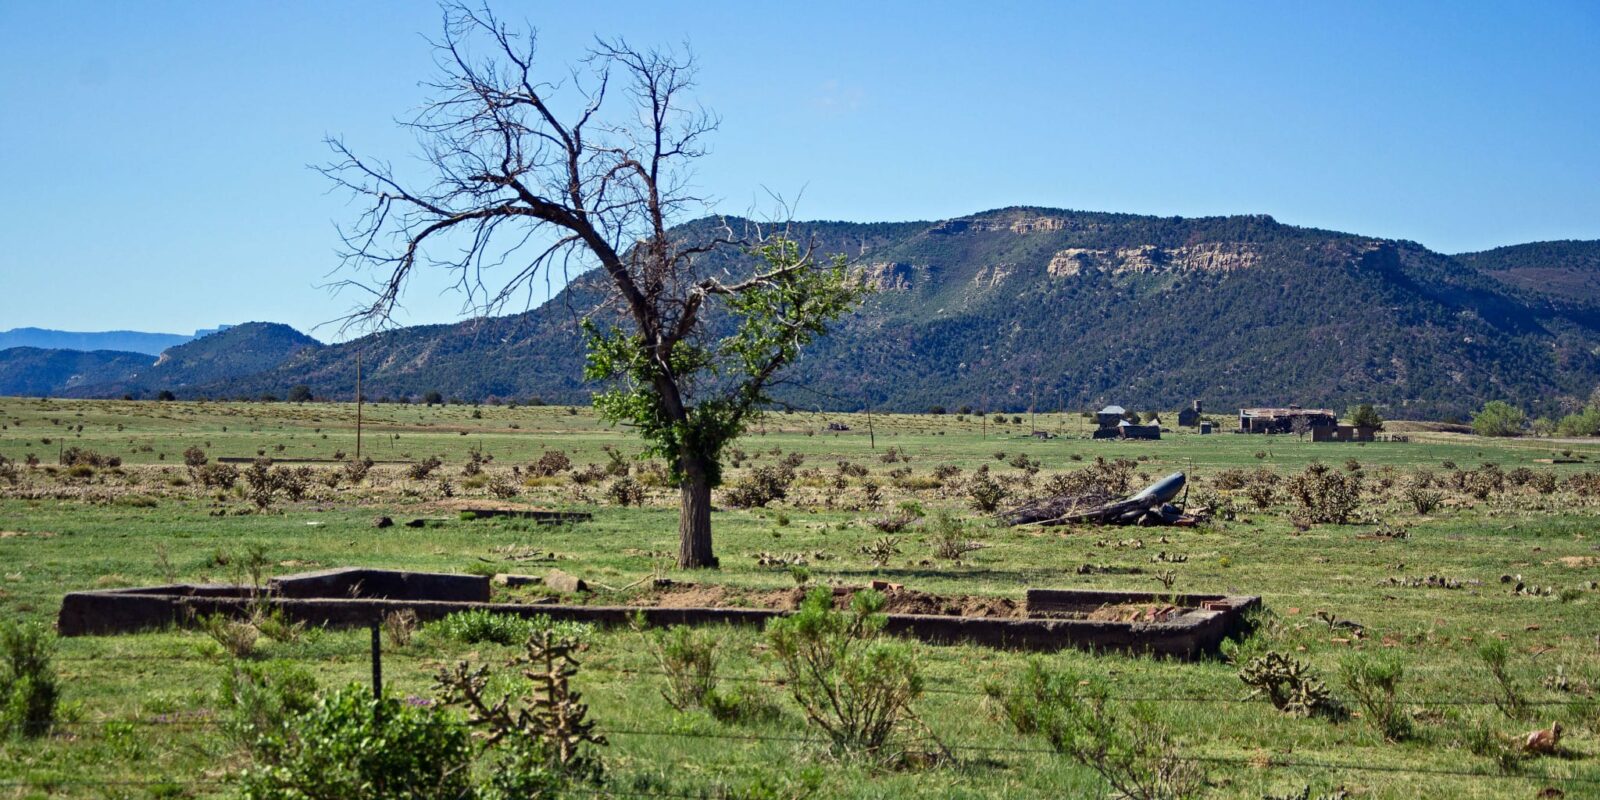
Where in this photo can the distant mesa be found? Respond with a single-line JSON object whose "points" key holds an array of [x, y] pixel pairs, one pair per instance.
{"points": [[89, 341], [1003, 310]]}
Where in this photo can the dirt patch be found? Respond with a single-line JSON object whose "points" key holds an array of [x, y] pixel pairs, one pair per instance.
{"points": [[21, 534], [1134, 612], [1578, 562], [897, 601]]}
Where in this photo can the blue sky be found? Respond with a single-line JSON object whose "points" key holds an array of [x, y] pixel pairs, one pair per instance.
{"points": [[153, 155]]}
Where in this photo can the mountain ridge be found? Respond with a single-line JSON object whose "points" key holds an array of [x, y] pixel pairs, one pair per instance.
{"points": [[1035, 307]]}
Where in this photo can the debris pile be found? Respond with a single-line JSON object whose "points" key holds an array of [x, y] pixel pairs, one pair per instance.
{"points": [[1153, 506]]}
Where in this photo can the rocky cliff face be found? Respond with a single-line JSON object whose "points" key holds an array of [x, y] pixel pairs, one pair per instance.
{"points": [[1205, 257]]}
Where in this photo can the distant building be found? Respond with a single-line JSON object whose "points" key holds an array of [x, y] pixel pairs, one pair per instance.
{"points": [[1343, 433], [1283, 420], [1129, 430], [1190, 417], [1110, 416]]}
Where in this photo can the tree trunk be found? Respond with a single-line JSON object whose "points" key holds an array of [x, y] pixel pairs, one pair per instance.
{"points": [[694, 518]]}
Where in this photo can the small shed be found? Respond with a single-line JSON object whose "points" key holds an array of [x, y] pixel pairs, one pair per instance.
{"points": [[1190, 417], [1110, 416]]}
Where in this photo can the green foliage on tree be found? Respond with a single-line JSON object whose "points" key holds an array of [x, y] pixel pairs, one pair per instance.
{"points": [[1365, 416], [1583, 423], [778, 313], [1499, 418]]}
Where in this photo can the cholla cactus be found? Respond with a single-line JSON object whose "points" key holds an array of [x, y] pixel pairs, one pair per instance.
{"points": [[550, 720], [1289, 684]]}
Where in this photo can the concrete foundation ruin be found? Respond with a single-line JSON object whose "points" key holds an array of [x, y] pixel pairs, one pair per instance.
{"points": [[1179, 626]]}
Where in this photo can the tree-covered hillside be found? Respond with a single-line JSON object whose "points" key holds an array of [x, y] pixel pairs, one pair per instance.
{"points": [[1031, 307]]}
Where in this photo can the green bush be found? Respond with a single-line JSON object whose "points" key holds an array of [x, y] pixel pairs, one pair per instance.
{"points": [[1373, 680], [984, 492], [1499, 418], [262, 701], [349, 746], [848, 680], [28, 688], [1128, 745], [688, 658], [481, 625]]}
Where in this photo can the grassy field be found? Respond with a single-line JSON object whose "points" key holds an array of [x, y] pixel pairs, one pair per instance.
{"points": [[140, 711]]}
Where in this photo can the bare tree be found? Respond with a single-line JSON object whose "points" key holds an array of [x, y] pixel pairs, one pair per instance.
{"points": [[1300, 425], [535, 176]]}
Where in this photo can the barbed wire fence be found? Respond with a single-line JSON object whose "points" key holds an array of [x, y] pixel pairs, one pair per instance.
{"points": [[1265, 762]]}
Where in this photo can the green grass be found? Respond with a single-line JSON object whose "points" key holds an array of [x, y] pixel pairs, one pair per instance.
{"points": [[138, 706]]}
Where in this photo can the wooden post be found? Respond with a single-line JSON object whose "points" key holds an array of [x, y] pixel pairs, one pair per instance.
{"points": [[358, 404], [377, 661]]}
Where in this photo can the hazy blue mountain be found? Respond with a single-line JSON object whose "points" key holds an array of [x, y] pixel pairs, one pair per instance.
{"points": [[229, 354], [124, 341]]}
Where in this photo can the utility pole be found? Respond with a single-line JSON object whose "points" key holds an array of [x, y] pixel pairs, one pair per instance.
{"points": [[358, 404]]}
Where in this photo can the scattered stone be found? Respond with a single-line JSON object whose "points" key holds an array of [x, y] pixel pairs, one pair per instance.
{"points": [[382, 522], [565, 583], [884, 586], [1429, 582]]}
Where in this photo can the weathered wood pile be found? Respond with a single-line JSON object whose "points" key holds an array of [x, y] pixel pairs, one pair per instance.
{"points": [[1096, 506]]}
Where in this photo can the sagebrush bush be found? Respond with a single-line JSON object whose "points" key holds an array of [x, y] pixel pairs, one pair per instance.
{"points": [[77, 456], [237, 637], [420, 470], [355, 470], [849, 680], [29, 691], [1374, 680], [688, 658], [1128, 745], [261, 702]]}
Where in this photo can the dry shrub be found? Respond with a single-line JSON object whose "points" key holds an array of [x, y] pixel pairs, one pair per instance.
{"points": [[550, 463], [217, 476], [762, 486], [1325, 495]]}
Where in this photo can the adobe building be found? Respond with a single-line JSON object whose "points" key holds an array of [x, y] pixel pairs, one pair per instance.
{"points": [[1282, 420]]}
